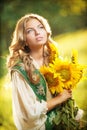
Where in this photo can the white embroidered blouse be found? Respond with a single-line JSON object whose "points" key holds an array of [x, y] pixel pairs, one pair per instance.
{"points": [[28, 112]]}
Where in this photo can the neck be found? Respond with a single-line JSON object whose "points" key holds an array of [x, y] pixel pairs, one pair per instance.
{"points": [[37, 54]]}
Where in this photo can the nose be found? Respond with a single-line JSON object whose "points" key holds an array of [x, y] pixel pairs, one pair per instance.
{"points": [[37, 32]]}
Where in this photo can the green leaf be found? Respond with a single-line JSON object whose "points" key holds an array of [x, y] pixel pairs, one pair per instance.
{"points": [[65, 118], [74, 123], [57, 118]]}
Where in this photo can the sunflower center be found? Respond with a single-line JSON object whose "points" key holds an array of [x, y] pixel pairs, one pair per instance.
{"points": [[51, 80], [65, 74]]}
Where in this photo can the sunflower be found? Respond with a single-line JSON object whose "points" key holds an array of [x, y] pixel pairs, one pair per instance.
{"points": [[70, 73], [62, 73], [53, 52], [52, 78]]}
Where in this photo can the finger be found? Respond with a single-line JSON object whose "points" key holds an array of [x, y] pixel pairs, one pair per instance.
{"points": [[69, 90]]}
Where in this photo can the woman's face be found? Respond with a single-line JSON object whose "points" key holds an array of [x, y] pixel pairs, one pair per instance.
{"points": [[36, 34]]}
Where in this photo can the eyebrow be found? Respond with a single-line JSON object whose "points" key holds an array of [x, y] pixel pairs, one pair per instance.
{"points": [[32, 27]]}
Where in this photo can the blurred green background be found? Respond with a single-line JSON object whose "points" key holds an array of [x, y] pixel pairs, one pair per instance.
{"points": [[68, 21]]}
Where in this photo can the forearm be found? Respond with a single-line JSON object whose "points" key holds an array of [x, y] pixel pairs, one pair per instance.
{"points": [[53, 103], [62, 97]]}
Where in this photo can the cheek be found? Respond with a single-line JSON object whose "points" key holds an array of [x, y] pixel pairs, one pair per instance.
{"points": [[29, 38], [45, 36]]}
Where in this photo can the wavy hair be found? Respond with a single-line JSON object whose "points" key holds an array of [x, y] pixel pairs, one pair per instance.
{"points": [[19, 50]]}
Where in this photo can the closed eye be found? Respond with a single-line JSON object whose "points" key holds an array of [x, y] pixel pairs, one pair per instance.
{"points": [[29, 30], [40, 26]]}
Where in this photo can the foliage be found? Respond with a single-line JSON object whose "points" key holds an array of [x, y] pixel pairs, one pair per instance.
{"points": [[3, 66], [67, 112]]}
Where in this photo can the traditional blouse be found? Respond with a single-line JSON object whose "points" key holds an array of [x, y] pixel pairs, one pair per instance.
{"points": [[28, 112]]}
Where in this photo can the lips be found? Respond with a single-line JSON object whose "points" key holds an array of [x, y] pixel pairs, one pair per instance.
{"points": [[39, 38]]}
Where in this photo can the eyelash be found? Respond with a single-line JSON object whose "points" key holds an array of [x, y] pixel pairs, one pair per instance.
{"points": [[29, 31], [40, 27]]}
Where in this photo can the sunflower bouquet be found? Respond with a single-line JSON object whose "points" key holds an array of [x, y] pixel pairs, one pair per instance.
{"points": [[63, 74]]}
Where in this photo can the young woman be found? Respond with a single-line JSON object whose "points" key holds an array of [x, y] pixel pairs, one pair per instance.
{"points": [[29, 50]]}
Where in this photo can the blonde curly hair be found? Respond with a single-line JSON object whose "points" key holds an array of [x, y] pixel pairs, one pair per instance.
{"points": [[19, 50]]}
